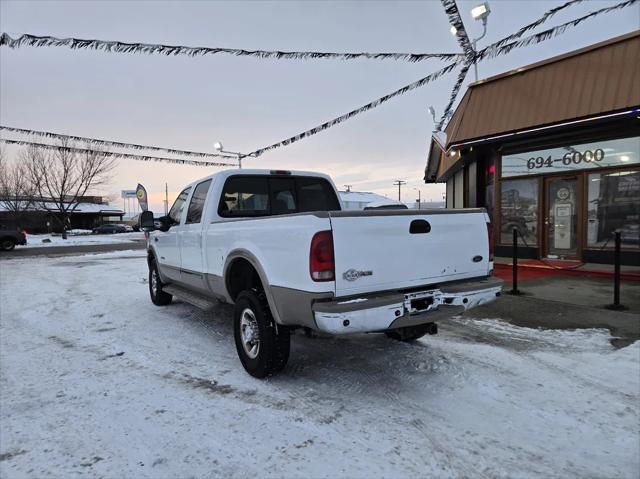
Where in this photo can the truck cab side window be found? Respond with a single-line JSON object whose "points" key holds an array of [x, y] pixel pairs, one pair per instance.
{"points": [[315, 194], [178, 206], [244, 196], [196, 206]]}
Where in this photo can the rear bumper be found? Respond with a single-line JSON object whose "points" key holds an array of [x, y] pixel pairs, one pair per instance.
{"points": [[396, 310]]}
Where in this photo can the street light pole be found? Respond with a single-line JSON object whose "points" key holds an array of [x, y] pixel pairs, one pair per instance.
{"points": [[419, 197], [475, 42], [479, 12], [220, 149]]}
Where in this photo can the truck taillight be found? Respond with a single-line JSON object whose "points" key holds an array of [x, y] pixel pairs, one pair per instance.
{"points": [[321, 261], [490, 233]]}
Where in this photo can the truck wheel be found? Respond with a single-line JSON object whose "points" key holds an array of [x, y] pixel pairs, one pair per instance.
{"points": [[263, 345], [158, 297], [7, 244]]}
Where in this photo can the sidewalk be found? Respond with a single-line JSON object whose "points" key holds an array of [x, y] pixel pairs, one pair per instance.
{"points": [[553, 300], [535, 268]]}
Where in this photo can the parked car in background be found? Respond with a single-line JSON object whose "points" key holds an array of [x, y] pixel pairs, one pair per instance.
{"points": [[127, 228], [10, 237], [109, 229]]}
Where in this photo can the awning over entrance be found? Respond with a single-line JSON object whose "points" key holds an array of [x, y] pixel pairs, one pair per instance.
{"points": [[544, 94]]}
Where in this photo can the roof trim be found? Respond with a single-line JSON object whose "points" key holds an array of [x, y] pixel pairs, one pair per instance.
{"points": [[555, 59], [474, 141]]}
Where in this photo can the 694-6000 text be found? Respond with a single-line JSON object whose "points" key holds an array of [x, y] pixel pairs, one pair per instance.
{"points": [[570, 158]]}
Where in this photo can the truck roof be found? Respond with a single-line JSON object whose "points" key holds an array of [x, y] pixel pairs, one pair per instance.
{"points": [[260, 172]]}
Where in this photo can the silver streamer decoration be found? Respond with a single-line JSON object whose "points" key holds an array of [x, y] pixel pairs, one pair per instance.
{"points": [[369, 106], [117, 155], [110, 143], [174, 50]]}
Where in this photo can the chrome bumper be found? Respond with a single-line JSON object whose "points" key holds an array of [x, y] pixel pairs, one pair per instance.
{"points": [[396, 310]]}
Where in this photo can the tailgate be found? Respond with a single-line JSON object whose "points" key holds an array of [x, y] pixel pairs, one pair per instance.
{"points": [[387, 250]]}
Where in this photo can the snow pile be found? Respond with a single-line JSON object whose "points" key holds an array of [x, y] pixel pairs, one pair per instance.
{"points": [[38, 241], [97, 381]]}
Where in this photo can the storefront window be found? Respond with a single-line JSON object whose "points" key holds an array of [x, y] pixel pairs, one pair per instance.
{"points": [[519, 210], [601, 154], [614, 204]]}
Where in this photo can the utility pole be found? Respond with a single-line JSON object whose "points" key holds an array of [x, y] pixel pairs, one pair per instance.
{"points": [[399, 183], [348, 187]]}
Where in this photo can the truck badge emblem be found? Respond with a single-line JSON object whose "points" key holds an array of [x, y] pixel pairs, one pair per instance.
{"points": [[352, 274]]}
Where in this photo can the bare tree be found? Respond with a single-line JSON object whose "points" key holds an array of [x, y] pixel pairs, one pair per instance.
{"points": [[16, 191], [63, 175]]}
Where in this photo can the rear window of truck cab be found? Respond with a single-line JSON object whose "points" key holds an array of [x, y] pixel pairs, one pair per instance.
{"points": [[247, 196]]}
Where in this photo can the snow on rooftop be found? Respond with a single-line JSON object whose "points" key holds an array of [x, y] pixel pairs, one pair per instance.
{"points": [[81, 208], [361, 196]]}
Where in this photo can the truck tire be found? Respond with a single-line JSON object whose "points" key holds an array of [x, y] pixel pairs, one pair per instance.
{"points": [[158, 297], [7, 244], [263, 346]]}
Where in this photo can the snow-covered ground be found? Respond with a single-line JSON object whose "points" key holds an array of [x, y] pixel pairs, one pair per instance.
{"points": [[35, 241], [96, 381]]}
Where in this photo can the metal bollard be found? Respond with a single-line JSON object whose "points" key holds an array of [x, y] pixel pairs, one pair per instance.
{"points": [[514, 285], [616, 274]]}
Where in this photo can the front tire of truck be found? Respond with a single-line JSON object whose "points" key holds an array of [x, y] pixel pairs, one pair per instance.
{"points": [[263, 346], [158, 297]]}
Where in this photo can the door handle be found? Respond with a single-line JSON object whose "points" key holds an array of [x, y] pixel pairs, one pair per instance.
{"points": [[155, 239]]}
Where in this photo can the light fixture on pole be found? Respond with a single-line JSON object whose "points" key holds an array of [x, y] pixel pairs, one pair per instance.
{"points": [[220, 149], [480, 12]]}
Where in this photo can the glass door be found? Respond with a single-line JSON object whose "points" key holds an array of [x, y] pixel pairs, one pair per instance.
{"points": [[561, 221]]}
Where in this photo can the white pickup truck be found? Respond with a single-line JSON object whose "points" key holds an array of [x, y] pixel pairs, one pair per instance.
{"points": [[278, 245]]}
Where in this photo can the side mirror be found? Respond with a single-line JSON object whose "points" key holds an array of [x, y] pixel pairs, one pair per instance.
{"points": [[146, 221]]}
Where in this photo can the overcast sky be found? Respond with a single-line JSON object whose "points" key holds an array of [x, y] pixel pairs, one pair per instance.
{"points": [[247, 103]]}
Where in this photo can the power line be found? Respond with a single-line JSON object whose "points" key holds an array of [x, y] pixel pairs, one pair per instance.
{"points": [[111, 46], [111, 143], [493, 50], [116, 155]]}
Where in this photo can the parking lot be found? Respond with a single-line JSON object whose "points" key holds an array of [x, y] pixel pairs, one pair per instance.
{"points": [[97, 381]]}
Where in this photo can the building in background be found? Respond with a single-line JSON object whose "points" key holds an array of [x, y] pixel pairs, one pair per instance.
{"points": [[356, 200], [38, 216], [553, 151]]}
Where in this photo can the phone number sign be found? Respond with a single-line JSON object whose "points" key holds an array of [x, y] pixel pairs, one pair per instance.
{"points": [[622, 152]]}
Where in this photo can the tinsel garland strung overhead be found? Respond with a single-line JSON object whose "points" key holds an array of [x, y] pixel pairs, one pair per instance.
{"points": [[175, 50], [501, 48], [453, 14], [369, 106], [547, 15], [495, 49], [117, 155], [454, 93], [113, 144]]}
